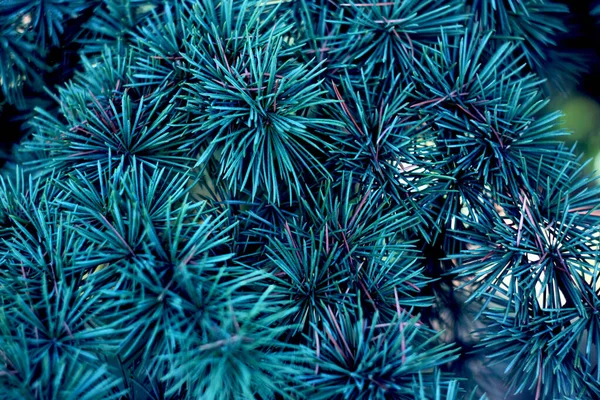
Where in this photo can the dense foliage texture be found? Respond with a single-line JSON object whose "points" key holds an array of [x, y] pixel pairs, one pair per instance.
{"points": [[307, 199]]}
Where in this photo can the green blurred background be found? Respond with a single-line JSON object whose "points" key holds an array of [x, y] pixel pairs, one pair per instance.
{"points": [[581, 104], [582, 118]]}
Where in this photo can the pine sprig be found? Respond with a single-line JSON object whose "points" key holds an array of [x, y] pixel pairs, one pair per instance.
{"points": [[375, 34], [364, 359], [256, 116], [536, 27], [295, 199]]}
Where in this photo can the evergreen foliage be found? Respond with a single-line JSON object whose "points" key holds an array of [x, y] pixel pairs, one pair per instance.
{"points": [[251, 199]]}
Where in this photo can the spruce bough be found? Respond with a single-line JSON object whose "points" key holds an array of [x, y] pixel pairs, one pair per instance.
{"points": [[294, 199]]}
